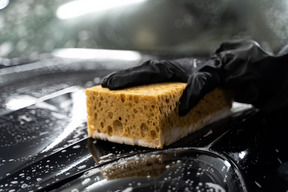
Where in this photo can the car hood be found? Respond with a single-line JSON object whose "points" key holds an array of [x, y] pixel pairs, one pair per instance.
{"points": [[44, 144]]}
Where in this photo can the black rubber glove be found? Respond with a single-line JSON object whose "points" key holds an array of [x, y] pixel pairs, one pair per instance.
{"points": [[156, 71], [254, 76]]}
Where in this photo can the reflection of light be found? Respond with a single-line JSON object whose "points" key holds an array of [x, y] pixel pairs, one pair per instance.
{"points": [[240, 106], [97, 54], [21, 101], [228, 165], [78, 116], [242, 154], [216, 187], [96, 185], [74, 164], [3, 3], [78, 8]]}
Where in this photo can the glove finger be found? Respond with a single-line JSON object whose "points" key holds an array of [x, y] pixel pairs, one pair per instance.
{"points": [[151, 71], [148, 72], [197, 86]]}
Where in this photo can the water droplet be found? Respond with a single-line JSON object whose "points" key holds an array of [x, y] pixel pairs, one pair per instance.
{"points": [[22, 174], [258, 185], [76, 147], [87, 180], [128, 189], [39, 179], [24, 185], [82, 167]]}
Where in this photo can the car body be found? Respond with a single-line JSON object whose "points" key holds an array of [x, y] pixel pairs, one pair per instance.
{"points": [[43, 127]]}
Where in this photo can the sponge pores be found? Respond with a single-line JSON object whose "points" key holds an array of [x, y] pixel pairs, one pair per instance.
{"points": [[148, 115]]}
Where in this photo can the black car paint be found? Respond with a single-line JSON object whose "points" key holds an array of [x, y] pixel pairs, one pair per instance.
{"points": [[253, 144]]}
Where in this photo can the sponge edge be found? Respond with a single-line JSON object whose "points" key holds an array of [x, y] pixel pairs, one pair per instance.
{"points": [[148, 115]]}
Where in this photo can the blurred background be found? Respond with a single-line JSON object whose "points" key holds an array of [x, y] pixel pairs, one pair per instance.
{"points": [[30, 28]]}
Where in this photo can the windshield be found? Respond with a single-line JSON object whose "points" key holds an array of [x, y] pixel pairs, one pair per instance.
{"points": [[33, 27]]}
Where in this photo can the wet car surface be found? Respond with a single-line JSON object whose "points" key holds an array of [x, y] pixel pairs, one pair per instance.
{"points": [[44, 144], [47, 60]]}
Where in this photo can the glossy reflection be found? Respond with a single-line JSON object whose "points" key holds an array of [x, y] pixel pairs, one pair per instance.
{"points": [[52, 123], [78, 8], [248, 147], [99, 54], [78, 116], [172, 169]]}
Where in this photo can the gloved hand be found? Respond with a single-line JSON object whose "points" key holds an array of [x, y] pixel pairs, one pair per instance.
{"points": [[156, 71], [253, 75]]}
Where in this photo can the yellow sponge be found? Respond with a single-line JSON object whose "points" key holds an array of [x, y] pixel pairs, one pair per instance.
{"points": [[148, 115]]}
